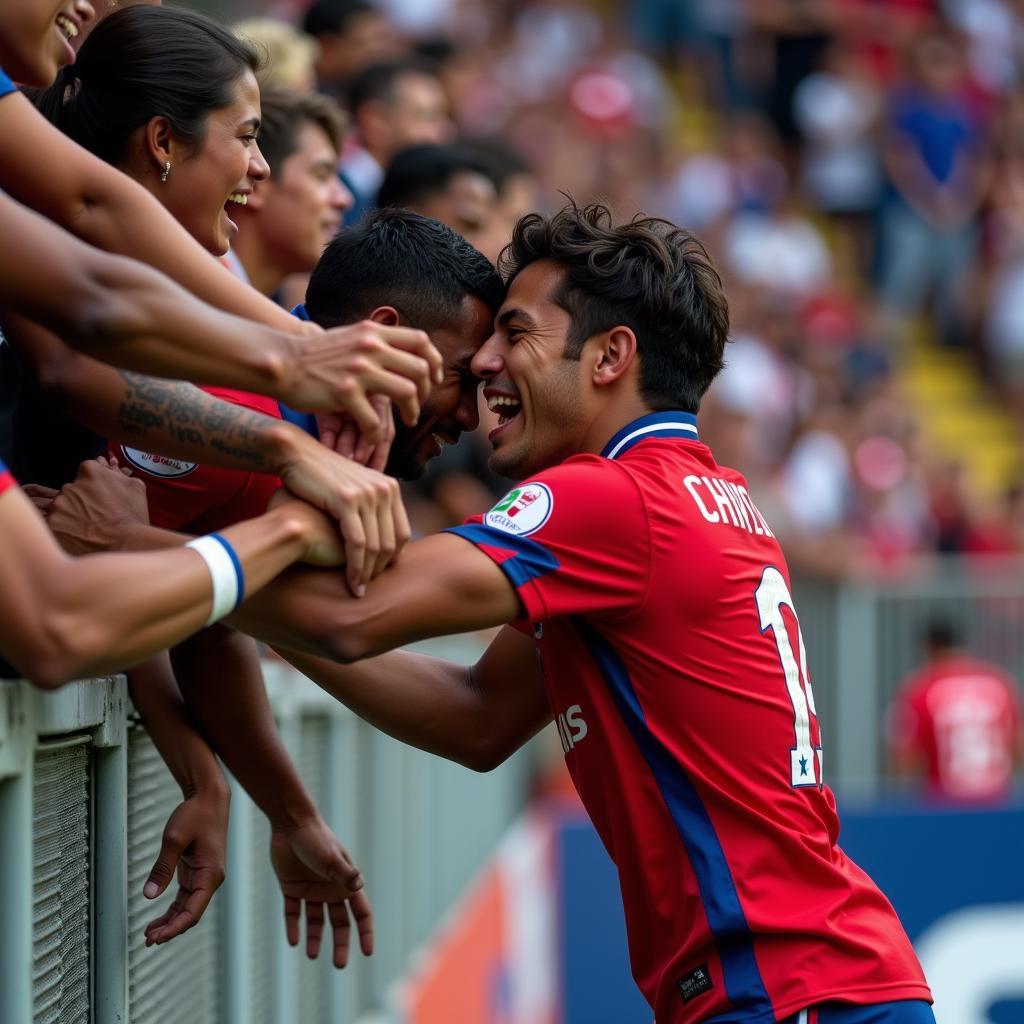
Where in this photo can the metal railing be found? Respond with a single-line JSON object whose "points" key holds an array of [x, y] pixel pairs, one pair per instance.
{"points": [[863, 639], [84, 798]]}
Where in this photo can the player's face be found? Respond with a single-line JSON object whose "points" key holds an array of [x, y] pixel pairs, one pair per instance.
{"points": [[36, 37], [451, 406], [204, 186], [301, 207], [536, 392]]}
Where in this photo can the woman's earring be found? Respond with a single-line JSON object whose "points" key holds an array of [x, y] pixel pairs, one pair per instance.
{"points": [[167, 171]]}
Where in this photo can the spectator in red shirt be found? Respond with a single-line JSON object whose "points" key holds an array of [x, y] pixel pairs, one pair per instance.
{"points": [[956, 722]]}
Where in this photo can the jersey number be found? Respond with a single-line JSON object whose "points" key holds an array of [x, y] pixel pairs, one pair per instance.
{"points": [[771, 595]]}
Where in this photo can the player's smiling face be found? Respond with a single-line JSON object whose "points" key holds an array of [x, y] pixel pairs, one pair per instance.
{"points": [[535, 390], [451, 406]]}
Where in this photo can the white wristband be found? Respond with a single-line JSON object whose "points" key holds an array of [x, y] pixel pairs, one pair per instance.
{"points": [[225, 574]]}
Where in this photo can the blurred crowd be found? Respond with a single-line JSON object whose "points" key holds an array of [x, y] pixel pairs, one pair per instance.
{"points": [[856, 168]]}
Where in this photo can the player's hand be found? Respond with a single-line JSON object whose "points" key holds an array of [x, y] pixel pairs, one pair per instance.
{"points": [[92, 513], [366, 505], [342, 434], [324, 545], [314, 869], [194, 844], [337, 371], [40, 496]]}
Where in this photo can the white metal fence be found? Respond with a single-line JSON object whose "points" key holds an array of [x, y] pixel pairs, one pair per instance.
{"points": [[84, 798]]}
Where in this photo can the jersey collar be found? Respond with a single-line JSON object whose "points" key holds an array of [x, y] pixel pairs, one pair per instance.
{"points": [[656, 424]]}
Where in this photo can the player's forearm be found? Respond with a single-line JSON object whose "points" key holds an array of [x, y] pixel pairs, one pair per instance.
{"points": [[425, 702], [126, 313], [65, 617], [150, 325], [441, 585], [219, 674], [154, 692], [166, 417]]}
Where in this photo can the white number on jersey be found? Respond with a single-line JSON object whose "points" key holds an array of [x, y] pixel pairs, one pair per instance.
{"points": [[771, 595]]}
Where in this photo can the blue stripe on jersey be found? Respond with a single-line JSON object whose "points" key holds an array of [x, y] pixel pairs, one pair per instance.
{"points": [[530, 560], [6, 85], [728, 924], [3, 466], [657, 424]]}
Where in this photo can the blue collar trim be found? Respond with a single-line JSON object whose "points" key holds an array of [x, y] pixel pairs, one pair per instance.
{"points": [[656, 424], [300, 312]]}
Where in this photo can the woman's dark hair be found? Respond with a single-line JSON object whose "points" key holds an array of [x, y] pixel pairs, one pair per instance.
{"points": [[145, 62], [648, 275]]}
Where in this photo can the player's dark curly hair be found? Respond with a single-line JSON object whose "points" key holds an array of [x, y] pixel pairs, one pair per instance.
{"points": [[648, 275], [401, 259]]}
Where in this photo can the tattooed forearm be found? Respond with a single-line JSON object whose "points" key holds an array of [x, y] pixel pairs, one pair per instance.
{"points": [[155, 410]]}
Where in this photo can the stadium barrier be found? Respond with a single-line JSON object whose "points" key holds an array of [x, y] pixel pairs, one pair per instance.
{"points": [[84, 797]]}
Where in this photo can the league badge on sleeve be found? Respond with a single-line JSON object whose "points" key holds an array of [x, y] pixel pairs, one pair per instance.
{"points": [[523, 510]]}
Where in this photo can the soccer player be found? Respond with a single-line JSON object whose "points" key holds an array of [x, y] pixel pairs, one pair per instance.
{"points": [[651, 615], [957, 724]]}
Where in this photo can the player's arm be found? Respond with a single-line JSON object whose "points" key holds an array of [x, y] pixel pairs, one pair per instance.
{"points": [[62, 617], [181, 421], [220, 677], [477, 715], [440, 585], [128, 314], [194, 840]]}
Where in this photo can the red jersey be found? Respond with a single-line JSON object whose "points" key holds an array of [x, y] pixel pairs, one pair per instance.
{"points": [[203, 498], [6, 478], [673, 663], [963, 716]]}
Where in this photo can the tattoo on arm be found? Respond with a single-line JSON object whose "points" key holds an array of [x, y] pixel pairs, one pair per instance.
{"points": [[154, 410]]}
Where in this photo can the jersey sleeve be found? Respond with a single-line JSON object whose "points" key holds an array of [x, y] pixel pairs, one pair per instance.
{"points": [[7, 480], [572, 541], [202, 498], [6, 85]]}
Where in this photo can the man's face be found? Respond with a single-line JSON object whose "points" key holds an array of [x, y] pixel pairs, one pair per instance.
{"points": [[368, 38], [302, 205], [536, 391], [417, 114], [467, 206], [451, 406]]}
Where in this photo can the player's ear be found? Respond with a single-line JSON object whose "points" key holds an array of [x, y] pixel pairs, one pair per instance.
{"points": [[386, 315], [615, 354]]}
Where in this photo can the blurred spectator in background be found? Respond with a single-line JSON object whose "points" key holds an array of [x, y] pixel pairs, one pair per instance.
{"points": [[837, 110], [855, 166], [448, 183], [289, 56], [517, 190], [288, 220], [956, 723], [935, 154], [393, 106], [351, 35]]}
